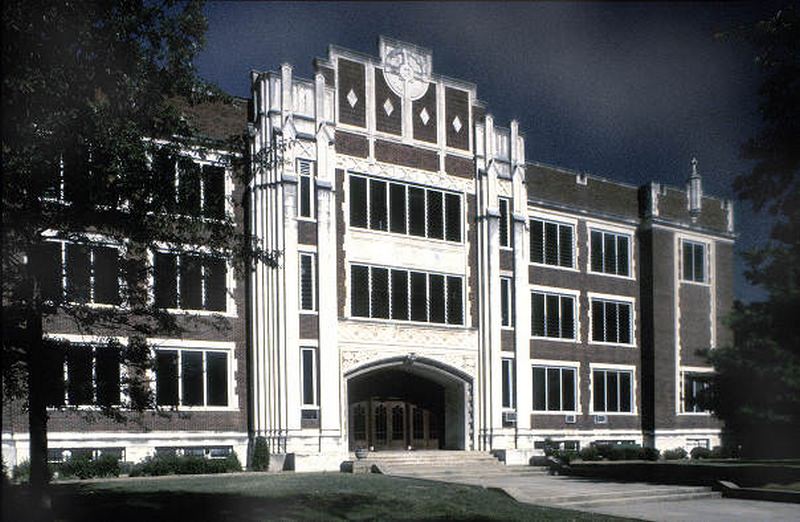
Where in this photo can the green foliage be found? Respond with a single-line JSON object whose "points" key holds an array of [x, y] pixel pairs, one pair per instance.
{"points": [[21, 472], [260, 455], [699, 453], [85, 467], [675, 454], [616, 452], [590, 453], [184, 465]]}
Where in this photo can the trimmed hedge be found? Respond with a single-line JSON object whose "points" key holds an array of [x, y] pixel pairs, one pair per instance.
{"points": [[85, 467], [675, 454], [260, 455], [186, 465]]}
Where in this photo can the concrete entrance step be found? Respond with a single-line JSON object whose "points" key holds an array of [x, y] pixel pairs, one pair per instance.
{"points": [[639, 499]]}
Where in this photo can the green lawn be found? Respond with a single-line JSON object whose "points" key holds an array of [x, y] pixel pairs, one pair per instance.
{"points": [[308, 496]]}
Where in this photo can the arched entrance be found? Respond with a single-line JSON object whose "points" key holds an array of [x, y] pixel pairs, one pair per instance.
{"points": [[403, 402]]}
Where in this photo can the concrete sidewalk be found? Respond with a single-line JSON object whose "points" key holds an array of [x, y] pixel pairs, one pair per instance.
{"points": [[707, 510]]}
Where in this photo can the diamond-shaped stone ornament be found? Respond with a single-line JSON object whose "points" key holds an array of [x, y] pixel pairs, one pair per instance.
{"points": [[424, 116], [352, 99], [388, 107], [457, 124]]}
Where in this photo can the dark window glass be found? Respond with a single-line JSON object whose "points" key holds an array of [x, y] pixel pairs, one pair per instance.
{"points": [[306, 282], [612, 332], [453, 217], [400, 295], [216, 273], [166, 280], [565, 245], [553, 389], [378, 217], [597, 251], [599, 391], [416, 211], [167, 378], [551, 243], [54, 370], [78, 273], [598, 321], [688, 261], [107, 371], [567, 318], [508, 384], [191, 282], [505, 298], [76, 172], [79, 374], [610, 253], [537, 320], [217, 378], [612, 390], [46, 261], [504, 222], [699, 263], [164, 173], [305, 196], [436, 298], [537, 241], [192, 378], [308, 377], [419, 297], [359, 293], [358, 202], [455, 301], [213, 192], [625, 392], [552, 302], [189, 187], [380, 293], [398, 422], [539, 381], [568, 389], [397, 207], [624, 323], [622, 256], [106, 276], [435, 217], [51, 178]]}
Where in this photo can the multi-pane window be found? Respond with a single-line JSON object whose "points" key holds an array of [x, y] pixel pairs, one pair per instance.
{"points": [[610, 253], [553, 315], [81, 175], [552, 243], [509, 384], [190, 281], [505, 222], [309, 379], [188, 187], [305, 171], [612, 391], [307, 282], [191, 377], [404, 295], [83, 374], [78, 273], [554, 388], [695, 391], [612, 322], [694, 261], [506, 302], [401, 208]]}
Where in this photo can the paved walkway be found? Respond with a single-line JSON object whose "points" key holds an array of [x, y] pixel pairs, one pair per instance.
{"points": [[707, 510]]}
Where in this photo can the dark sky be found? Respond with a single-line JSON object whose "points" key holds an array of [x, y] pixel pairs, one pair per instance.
{"points": [[620, 90]]}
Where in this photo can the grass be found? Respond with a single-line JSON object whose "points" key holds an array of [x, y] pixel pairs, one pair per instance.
{"points": [[308, 496], [792, 486]]}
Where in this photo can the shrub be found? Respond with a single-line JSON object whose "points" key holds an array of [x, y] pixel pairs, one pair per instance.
{"points": [[675, 454], [700, 453], [173, 465], [590, 453], [650, 454], [565, 456], [22, 472], [84, 467], [260, 455]]}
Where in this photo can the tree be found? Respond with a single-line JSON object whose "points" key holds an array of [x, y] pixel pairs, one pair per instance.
{"points": [[756, 390], [89, 105]]}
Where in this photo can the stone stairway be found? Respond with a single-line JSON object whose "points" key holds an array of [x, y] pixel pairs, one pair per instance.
{"points": [[528, 484]]}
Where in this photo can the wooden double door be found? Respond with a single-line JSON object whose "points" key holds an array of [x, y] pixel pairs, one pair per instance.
{"points": [[392, 424]]}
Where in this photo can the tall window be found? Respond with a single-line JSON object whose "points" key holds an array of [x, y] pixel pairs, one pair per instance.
{"points": [[612, 391], [309, 378], [611, 322], [694, 261], [610, 253], [305, 207], [189, 187], [553, 315], [505, 222], [307, 282], [405, 295], [190, 281], [552, 243], [191, 377], [78, 273], [509, 384], [83, 374], [401, 208], [506, 302], [695, 389], [554, 388]]}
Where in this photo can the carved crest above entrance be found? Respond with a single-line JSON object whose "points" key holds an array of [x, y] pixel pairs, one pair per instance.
{"points": [[406, 67]]}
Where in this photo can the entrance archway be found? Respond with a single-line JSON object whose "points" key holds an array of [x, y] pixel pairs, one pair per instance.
{"points": [[404, 402]]}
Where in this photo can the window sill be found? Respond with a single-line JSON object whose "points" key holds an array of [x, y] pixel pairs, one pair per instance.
{"points": [[399, 322], [306, 219], [399, 235], [694, 414], [203, 313], [614, 413], [555, 339], [308, 312], [615, 276], [706, 284], [181, 409], [555, 267], [506, 248], [507, 328], [618, 345], [556, 413]]}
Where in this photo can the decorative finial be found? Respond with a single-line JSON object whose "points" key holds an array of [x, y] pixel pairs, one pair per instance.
{"points": [[694, 191], [694, 168]]}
